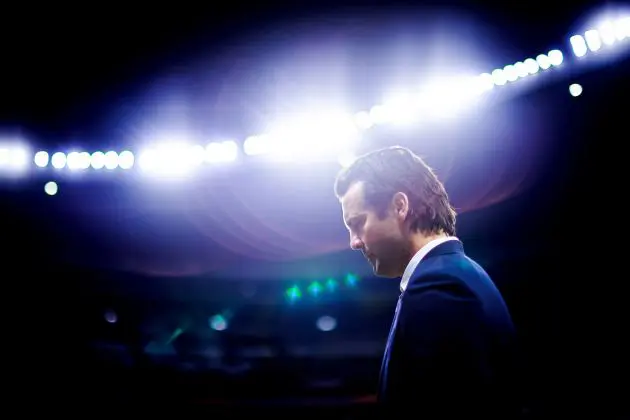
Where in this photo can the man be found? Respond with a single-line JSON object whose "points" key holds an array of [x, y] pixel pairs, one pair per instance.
{"points": [[451, 347]]}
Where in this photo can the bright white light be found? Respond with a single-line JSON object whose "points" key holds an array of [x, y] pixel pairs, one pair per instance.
{"points": [[14, 158], [575, 90], [170, 159], [226, 151], [312, 136], [622, 28], [84, 160], [593, 41], [51, 188], [521, 69], [543, 61], [125, 159], [531, 65], [111, 160], [149, 160], [555, 57], [41, 159], [256, 145], [378, 114], [402, 108], [498, 77], [98, 160], [197, 155], [578, 44], [346, 159], [607, 33], [58, 160], [486, 82], [363, 120], [448, 96], [511, 75], [75, 161]]}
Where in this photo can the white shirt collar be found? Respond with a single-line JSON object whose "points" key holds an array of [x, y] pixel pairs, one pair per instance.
{"points": [[422, 252]]}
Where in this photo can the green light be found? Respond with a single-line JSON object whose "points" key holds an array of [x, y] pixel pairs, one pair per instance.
{"points": [[351, 280], [176, 333], [218, 322], [293, 293], [331, 285], [315, 289]]}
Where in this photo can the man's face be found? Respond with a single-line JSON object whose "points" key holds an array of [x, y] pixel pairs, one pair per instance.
{"points": [[381, 241]]}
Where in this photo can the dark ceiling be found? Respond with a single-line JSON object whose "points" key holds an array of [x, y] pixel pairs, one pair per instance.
{"points": [[64, 63]]}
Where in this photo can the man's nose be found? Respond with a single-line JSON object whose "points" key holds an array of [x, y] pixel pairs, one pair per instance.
{"points": [[356, 244]]}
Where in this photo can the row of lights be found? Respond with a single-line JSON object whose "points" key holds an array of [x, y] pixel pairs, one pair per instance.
{"points": [[341, 130], [178, 157], [52, 188], [608, 33], [316, 289]]}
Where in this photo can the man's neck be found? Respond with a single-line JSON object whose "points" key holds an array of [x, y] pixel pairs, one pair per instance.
{"points": [[419, 240]]}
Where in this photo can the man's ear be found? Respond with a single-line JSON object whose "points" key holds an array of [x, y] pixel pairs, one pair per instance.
{"points": [[400, 204]]}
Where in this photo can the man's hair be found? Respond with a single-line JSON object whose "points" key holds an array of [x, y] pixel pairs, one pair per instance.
{"points": [[395, 169]]}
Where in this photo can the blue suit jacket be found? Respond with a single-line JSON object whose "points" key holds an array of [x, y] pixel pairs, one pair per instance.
{"points": [[451, 349]]}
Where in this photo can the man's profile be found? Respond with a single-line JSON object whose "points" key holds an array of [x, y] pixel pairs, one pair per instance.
{"points": [[451, 347]]}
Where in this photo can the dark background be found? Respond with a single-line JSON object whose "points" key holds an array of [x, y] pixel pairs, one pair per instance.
{"points": [[555, 244]]}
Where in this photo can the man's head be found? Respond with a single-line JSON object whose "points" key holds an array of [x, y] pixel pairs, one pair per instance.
{"points": [[391, 201]]}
